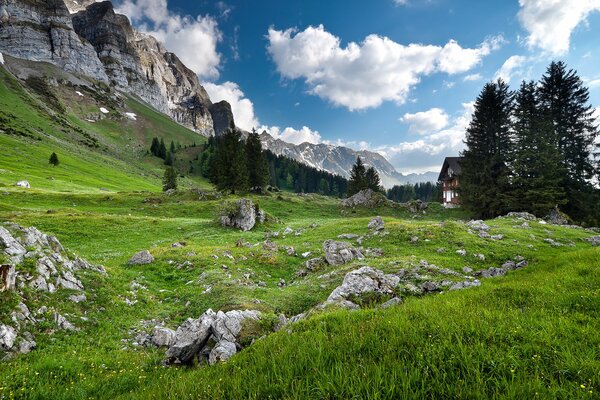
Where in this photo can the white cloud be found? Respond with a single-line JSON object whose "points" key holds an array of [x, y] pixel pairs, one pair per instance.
{"points": [[242, 108], [510, 68], [551, 22], [295, 136], [427, 153], [594, 83], [400, 2], [473, 77], [426, 121], [363, 75], [194, 40]]}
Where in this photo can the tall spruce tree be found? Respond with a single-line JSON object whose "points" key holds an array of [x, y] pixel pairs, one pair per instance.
{"points": [[54, 159], [258, 169], [162, 149], [537, 166], [372, 179], [170, 179], [357, 178], [230, 168], [155, 147], [565, 100], [485, 186]]}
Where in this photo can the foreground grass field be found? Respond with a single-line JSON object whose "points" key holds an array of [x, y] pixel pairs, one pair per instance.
{"points": [[533, 331]]}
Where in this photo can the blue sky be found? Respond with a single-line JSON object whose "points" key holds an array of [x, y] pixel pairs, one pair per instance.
{"points": [[394, 76]]}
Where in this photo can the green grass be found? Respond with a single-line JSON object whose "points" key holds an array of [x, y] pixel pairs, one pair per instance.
{"points": [[531, 334]]}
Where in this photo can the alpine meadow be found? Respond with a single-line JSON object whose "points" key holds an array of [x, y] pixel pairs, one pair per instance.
{"points": [[299, 200]]}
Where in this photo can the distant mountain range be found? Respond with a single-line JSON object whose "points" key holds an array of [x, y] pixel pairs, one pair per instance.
{"points": [[88, 38], [339, 160]]}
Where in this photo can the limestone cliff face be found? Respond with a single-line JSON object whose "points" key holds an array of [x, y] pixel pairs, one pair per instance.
{"points": [[137, 63], [42, 30], [222, 117]]}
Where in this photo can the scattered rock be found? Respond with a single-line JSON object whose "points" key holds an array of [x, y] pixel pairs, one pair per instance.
{"points": [[467, 270], [479, 256], [430, 287], [163, 337], [77, 298], [461, 252], [478, 225], [190, 338], [416, 206], [23, 184], [142, 258], [222, 352], [376, 224], [269, 246], [497, 237], [314, 263], [414, 239], [288, 231], [374, 252], [553, 243], [366, 198], [8, 336], [522, 215], [338, 253], [364, 280], [394, 301], [556, 217], [594, 240], [465, 285], [63, 323], [242, 215], [348, 236]]}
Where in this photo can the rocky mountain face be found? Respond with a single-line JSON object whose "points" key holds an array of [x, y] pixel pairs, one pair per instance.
{"points": [[339, 160], [100, 44]]}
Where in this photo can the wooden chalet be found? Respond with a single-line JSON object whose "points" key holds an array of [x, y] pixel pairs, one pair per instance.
{"points": [[449, 177]]}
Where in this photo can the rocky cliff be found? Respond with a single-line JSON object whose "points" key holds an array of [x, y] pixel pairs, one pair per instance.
{"points": [[100, 44], [42, 30]]}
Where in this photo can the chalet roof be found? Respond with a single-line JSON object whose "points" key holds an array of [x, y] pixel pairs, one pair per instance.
{"points": [[452, 163]]}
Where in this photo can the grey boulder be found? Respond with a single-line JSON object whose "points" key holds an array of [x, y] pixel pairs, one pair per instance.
{"points": [[142, 258], [364, 280], [241, 215], [376, 224], [338, 253], [190, 338]]}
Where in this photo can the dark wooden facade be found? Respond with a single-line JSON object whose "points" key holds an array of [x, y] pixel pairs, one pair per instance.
{"points": [[449, 177]]}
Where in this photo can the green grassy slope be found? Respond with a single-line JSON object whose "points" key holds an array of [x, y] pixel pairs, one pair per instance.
{"points": [[109, 154]]}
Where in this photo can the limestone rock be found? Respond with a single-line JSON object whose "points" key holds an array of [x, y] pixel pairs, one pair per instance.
{"points": [[376, 224], [594, 240], [63, 323], [364, 280], [8, 336], [338, 253], [478, 225], [43, 31], [557, 218], [366, 198], [163, 337], [141, 258], [222, 117], [522, 215], [190, 338], [241, 215], [222, 352], [23, 184]]}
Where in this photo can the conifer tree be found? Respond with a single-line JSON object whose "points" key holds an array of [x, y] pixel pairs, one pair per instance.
{"points": [[162, 149], [565, 100], [169, 179], [372, 179], [169, 159], [54, 159], [537, 166], [357, 178], [485, 186], [155, 147], [258, 169], [230, 167], [172, 147]]}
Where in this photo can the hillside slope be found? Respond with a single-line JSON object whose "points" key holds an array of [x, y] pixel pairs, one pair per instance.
{"points": [[97, 150]]}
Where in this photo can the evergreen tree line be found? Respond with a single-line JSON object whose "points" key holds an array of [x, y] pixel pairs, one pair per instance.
{"points": [[234, 164], [533, 149], [424, 191], [362, 178], [159, 149]]}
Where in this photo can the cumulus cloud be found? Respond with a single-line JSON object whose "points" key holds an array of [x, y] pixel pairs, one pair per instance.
{"points": [[242, 107], [473, 77], [364, 75], [427, 153], [510, 67], [551, 22], [295, 136], [193, 39], [426, 121]]}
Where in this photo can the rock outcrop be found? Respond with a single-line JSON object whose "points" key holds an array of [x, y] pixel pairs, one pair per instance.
{"points": [[222, 117], [338, 253], [141, 258], [365, 198], [38, 262], [215, 335], [242, 214], [137, 63], [361, 281], [42, 30]]}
